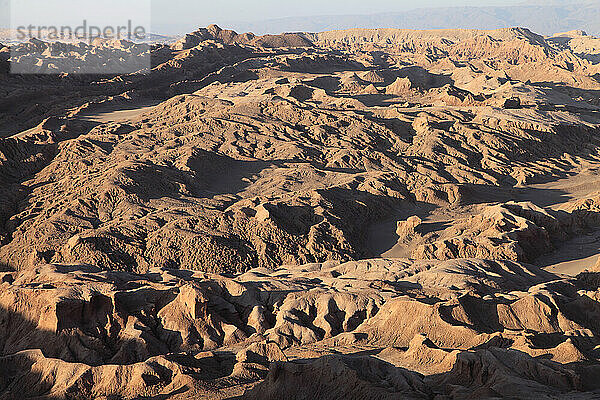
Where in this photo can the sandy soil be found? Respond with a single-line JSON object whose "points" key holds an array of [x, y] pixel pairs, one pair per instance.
{"points": [[117, 113], [570, 257]]}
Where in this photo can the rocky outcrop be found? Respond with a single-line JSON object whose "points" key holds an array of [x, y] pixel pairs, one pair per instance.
{"points": [[455, 328]]}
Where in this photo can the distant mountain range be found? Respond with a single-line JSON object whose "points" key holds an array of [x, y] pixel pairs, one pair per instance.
{"points": [[541, 16], [544, 18]]}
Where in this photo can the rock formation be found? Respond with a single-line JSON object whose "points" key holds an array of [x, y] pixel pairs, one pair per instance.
{"points": [[350, 214]]}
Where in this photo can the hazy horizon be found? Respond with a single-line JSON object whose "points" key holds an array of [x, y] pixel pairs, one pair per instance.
{"points": [[187, 14], [271, 16], [234, 12]]}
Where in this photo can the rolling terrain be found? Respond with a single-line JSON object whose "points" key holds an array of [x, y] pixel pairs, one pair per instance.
{"points": [[367, 213]]}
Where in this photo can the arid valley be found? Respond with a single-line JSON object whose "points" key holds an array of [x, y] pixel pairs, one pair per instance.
{"points": [[351, 214]]}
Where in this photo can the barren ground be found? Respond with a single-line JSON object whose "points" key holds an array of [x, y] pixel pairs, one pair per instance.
{"points": [[340, 215]]}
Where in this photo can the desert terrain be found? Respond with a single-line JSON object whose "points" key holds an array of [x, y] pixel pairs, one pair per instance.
{"points": [[358, 214]]}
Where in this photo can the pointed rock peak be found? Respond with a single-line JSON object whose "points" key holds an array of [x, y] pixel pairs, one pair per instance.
{"points": [[214, 29]]}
